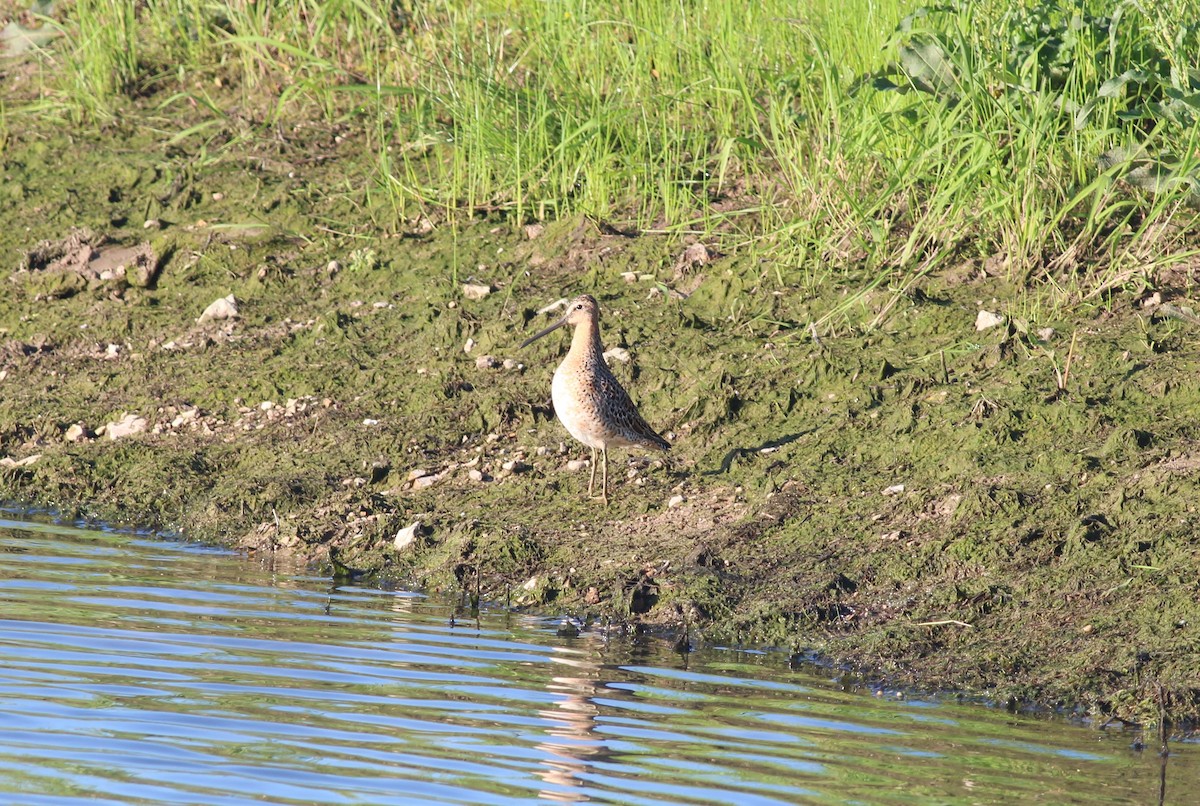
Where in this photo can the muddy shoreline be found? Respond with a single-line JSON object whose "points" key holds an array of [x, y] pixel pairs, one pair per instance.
{"points": [[1007, 511]]}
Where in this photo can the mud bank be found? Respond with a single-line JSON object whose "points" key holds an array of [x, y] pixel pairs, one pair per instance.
{"points": [[1008, 511]]}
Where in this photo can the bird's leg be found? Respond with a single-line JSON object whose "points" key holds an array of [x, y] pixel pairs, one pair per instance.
{"points": [[604, 494], [592, 480]]}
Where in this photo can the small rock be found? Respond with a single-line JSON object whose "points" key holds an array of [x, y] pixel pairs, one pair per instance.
{"points": [[151, 223], [987, 319], [515, 466], [407, 536], [75, 433], [616, 354], [947, 506], [1046, 333], [223, 308], [530, 583], [511, 364], [333, 267], [629, 277], [422, 226], [185, 417], [534, 231], [475, 474], [218, 196], [696, 254], [895, 489], [423, 482], [128, 425], [1152, 301], [9, 462], [266, 405], [370, 421], [486, 362], [592, 596], [541, 450], [469, 346], [112, 351], [675, 502], [576, 465], [475, 290], [417, 473]]}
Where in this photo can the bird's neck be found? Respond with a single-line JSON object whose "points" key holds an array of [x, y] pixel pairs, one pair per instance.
{"points": [[585, 342]]}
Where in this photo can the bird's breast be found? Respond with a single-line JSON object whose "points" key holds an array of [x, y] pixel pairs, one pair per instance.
{"points": [[575, 405]]}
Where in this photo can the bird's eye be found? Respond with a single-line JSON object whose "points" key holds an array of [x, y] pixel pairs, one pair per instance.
{"points": [[579, 307]]}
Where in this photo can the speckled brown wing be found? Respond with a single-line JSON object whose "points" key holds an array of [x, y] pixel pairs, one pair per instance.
{"points": [[620, 415]]}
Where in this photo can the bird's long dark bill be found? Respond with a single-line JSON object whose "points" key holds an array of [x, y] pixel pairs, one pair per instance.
{"points": [[539, 334]]}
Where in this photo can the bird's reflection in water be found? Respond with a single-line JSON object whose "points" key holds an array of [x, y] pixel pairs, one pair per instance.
{"points": [[572, 743]]}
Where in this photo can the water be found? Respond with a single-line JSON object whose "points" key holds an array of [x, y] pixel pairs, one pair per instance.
{"points": [[137, 670]]}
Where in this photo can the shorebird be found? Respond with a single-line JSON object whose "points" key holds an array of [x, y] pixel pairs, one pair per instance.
{"points": [[588, 400]]}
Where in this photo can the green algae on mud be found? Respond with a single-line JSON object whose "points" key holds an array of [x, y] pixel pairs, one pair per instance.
{"points": [[941, 505]]}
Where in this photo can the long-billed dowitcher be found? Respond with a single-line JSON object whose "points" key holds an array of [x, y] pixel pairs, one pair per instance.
{"points": [[587, 397]]}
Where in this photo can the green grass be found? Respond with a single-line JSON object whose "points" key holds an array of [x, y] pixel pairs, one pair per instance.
{"points": [[852, 146]]}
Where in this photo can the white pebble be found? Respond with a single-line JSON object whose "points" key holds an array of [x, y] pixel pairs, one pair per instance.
{"points": [[987, 319], [407, 536], [617, 354], [223, 308], [475, 290]]}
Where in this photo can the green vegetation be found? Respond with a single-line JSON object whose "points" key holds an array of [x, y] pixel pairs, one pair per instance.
{"points": [[993, 131], [865, 178]]}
